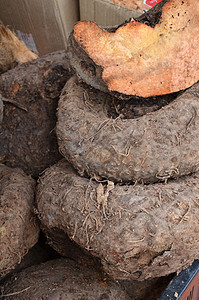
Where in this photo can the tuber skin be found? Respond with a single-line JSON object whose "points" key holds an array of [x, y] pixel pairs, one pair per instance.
{"points": [[19, 229], [29, 94], [140, 60], [156, 146], [137, 231], [61, 279]]}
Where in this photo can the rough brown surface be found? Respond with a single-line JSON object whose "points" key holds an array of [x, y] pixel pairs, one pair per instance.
{"points": [[41, 252], [138, 232], [19, 230], [62, 279], [1, 110], [31, 93], [137, 59], [66, 247], [156, 146]]}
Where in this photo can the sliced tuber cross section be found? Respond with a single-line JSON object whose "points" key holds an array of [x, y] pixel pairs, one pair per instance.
{"points": [[140, 60]]}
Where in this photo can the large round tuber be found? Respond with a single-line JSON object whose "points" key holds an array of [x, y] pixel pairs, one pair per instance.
{"points": [[138, 231], [19, 230], [155, 146], [61, 279], [30, 95]]}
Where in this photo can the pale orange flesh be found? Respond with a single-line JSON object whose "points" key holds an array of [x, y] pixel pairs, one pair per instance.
{"points": [[144, 61]]}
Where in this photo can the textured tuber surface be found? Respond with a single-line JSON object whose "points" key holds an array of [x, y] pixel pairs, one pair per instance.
{"points": [[61, 279], [138, 231], [156, 146], [140, 60], [31, 92], [19, 230]]}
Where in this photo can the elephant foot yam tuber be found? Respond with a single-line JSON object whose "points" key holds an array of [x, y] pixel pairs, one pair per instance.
{"points": [[138, 231], [61, 279], [155, 146], [12, 50], [137, 59], [19, 230], [30, 95], [63, 245]]}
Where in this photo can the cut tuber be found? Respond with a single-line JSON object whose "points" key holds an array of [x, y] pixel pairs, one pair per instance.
{"points": [[137, 59]]}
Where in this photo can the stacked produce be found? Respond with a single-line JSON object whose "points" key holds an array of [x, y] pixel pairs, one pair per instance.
{"points": [[122, 197]]}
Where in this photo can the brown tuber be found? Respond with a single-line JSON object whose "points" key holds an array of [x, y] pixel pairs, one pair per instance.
{"points": [[61, 279], [140, 60], [30, 93], [156, 146], [19, 230], [137, 231]]}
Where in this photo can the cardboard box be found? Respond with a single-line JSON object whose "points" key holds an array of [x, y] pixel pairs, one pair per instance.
{"points": [[147, 4], [140, 5], [105, 12], [109, 12], [44, 25]]}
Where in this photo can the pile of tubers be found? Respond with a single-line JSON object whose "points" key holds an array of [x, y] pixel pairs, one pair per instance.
{"points": [[106, 139]]}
